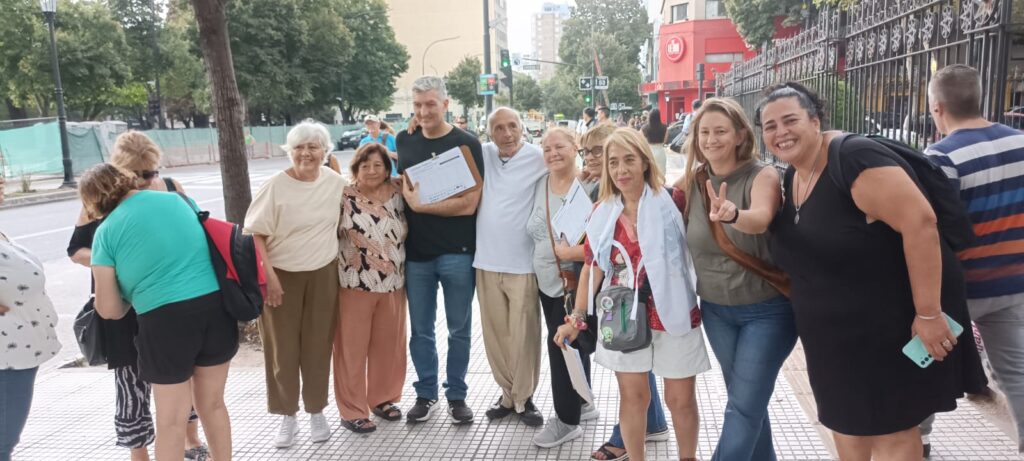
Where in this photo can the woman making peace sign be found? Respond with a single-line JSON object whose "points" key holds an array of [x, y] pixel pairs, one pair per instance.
{"points": [[748, 322]]}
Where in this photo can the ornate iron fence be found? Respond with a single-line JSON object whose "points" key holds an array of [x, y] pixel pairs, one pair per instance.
{"points": [[873, 61]]}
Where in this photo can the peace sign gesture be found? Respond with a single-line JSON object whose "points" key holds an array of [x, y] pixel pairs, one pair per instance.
{"points": [[722, 210]]}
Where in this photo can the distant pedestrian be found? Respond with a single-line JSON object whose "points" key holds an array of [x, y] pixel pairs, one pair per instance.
{"points": [[294, 220], [983, 159], [655, 133], [868, 272], [439, 250], [151, 251], [369, 345], [378, 135], [133, 422], [28, 319]]}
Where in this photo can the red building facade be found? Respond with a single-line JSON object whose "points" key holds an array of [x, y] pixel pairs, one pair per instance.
{"points": [[681, 46]]}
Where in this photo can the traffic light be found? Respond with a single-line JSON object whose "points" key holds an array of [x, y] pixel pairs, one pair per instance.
{"points": [[506, 63], [586, 98]]}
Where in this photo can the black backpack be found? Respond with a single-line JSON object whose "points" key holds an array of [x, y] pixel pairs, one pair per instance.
{"points": [[954, 224]]}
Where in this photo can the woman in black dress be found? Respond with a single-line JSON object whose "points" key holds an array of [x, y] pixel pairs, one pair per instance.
{"points": [[869, 271]]}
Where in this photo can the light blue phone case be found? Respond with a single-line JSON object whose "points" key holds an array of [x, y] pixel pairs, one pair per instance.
{"points": [[916, 351]]}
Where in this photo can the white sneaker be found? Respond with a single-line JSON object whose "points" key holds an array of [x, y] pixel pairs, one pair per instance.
{"points": [[659, 436], [286, 434], [556, 433], [319, 430], [589, 412]]}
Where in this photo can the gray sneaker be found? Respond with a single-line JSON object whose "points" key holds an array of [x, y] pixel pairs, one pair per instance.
{"points": [[589, 412], [556, 433]]}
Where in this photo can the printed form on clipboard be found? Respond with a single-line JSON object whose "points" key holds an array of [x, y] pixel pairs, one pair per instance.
{"points": [[570, 222], [446, 175]]}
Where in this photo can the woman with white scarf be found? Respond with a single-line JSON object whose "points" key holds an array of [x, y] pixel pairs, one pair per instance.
{"points": [[635, 239]]}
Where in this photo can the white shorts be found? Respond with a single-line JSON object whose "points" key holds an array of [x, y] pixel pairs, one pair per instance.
{"points": [[671, 357]]}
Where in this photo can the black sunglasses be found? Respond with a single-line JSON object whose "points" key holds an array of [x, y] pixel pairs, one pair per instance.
{"points": [[149, 174]]}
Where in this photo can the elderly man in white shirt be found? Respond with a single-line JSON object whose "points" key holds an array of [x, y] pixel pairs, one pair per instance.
{"points": [[506, 284]]}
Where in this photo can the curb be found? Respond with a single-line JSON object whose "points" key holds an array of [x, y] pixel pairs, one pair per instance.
{"points": [[34, 199]]}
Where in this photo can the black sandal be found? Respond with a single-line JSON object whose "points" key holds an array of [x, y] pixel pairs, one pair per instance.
{"points": [[359, 426], [608, 455], [388, 411]]}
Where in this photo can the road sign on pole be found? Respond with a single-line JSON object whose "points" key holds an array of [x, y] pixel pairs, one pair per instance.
{"points": [[586, 83], [600, 83], [488, 84]]}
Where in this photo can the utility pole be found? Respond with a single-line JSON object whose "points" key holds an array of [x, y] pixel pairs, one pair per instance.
{"points": [[156, 65], [487, 52]]}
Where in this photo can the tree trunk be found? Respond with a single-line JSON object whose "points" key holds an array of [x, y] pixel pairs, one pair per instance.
{"points": [[227, 105]]}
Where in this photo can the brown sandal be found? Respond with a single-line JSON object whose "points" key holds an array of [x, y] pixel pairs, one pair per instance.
{"points": [[388, 411]]}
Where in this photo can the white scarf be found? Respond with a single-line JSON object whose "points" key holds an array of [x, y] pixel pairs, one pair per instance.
{"points": [[666, 258]]}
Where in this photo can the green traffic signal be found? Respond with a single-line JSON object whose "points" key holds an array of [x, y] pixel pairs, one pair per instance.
{"points": [[586, 98], [505, 61]]}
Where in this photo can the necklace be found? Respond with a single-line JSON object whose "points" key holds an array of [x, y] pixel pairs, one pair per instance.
{"points": [[807, 191]]}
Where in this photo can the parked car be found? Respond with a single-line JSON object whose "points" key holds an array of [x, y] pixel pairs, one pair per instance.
{"points": [[897, 134], [1014, 118], [534, 128], [350, 139]]}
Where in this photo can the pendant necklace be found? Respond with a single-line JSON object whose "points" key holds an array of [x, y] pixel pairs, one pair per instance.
{"points": [[807, 187]]}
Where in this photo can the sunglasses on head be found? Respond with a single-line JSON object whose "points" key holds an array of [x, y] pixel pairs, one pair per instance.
{"points": [[149, 174]]}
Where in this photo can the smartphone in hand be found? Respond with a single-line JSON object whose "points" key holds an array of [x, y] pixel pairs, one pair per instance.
{"points": [[916, 351]]}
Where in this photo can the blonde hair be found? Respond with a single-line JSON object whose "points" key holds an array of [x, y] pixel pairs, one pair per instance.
{"points": [[695, 157], [629, 139], [102, 188], [598, 134], [561, 130], [136, 152]]}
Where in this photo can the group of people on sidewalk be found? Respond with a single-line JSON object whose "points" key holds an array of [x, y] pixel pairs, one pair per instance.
{"points": [[843, 251]]}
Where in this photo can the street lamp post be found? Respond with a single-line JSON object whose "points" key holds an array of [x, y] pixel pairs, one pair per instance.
{"points": [[423, 63], [50, 13]]}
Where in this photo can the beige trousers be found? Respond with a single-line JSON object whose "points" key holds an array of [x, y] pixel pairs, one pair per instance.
{"points": [[510, 315]]}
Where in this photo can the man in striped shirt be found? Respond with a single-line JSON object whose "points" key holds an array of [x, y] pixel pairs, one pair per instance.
{"points": [[986, 161]]}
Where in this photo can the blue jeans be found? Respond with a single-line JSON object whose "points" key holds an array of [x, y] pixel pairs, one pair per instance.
{"points": [[458, 281], [751, 341], [15, 401], [655, 416]]}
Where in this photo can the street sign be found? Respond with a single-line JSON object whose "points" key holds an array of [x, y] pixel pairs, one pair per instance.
{"points": [[531, 66], [488, 84], [586, 84], [600, 83]]}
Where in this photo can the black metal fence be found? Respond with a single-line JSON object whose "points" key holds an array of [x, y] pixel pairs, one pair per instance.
{"points": [[872, 63]]}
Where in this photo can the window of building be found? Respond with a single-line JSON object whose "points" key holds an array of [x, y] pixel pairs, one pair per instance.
{"points": [[680, 12], [718, 58], [714, 9]]}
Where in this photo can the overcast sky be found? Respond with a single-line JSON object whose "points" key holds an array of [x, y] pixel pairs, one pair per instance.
{"points": [[520, 17]]}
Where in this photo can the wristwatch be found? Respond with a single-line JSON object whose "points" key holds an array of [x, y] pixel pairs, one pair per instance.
{"points": [[735, 218], [578, 321]]}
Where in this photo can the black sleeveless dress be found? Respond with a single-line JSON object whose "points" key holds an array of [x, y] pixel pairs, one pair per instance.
{"points": [[854, 308]]}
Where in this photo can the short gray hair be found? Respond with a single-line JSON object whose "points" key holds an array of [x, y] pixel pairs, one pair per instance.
{"points": [[306, 131], [514, 112], [430, 83]]}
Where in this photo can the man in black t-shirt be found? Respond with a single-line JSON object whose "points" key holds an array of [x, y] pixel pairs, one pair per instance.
{"points": [[439, 248]]}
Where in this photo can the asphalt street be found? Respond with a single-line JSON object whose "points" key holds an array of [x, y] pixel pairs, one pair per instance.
{"points": [[46, 228]]}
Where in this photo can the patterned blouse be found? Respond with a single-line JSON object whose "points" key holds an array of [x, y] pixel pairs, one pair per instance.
{"points": [[372, 254]]}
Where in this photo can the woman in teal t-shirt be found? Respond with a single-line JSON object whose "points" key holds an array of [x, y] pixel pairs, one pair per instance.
{"points": [[151, 252]]}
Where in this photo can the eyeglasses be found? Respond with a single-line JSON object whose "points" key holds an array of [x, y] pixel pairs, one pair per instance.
{"points": [[596, 151], [148, 174]]}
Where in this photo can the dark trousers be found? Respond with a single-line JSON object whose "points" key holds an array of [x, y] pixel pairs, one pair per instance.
{"points": [[567, 401]]}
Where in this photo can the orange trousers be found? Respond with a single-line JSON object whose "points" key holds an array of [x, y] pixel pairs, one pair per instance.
{"points": [[369, 350]]}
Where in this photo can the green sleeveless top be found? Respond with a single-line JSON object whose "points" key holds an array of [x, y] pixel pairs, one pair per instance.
{"points": [[720, 279]]}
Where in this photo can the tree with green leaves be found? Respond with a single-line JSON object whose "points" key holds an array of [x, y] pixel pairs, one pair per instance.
{"points": [[755, 19], [91, 45], [562, 97], [186, 91], [528, 94], [368, 79], [463, 81]]}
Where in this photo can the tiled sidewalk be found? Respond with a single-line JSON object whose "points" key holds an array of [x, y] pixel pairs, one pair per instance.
{"points": [[72, 419]]}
